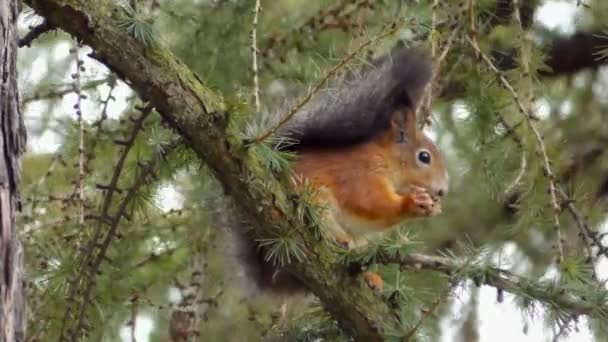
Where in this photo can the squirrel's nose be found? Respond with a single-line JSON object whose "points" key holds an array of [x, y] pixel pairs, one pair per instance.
{"points": [[440, 191]]}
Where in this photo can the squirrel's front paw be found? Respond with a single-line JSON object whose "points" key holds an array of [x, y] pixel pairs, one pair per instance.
{"points": [[420, 203]]}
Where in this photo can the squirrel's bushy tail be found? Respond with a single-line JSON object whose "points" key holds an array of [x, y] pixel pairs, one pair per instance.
{"points": [[224, 214], [359, 106]]}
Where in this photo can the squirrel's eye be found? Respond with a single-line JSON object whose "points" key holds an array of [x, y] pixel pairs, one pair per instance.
{"points": [[424, 157]]}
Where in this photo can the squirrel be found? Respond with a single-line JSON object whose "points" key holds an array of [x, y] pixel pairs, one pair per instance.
{"points": [[359, 146]]}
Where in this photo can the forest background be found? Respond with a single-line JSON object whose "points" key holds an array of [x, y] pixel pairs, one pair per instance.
{"points": [[118, 223]]}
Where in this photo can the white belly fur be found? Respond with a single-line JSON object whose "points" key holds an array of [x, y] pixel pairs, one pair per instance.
{"points": [[361, 230]]}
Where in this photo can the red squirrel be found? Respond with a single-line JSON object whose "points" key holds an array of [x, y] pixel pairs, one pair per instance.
{"points": [[360, 147]]}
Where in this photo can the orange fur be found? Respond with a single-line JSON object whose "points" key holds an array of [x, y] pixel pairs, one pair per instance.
{"points": [[370, 187], [356, 178]]}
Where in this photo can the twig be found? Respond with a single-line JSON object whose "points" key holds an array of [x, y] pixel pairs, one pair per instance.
{"points": [[56, 93], [472, 19], [254, 51], [185, 317], [78, 107], [428, 312], [111, 233], [98, 124], [133, 319], [564, 328], [539, 139], [192, 301], [57, 159], [520, 174], [103, 218], [525, 55], [438, 62], [510, 131], [155, 257], [392, 29], [587, 236], [429, 89]]}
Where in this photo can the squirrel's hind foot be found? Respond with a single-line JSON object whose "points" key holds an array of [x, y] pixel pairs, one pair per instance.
{"points": [[374, 281]]}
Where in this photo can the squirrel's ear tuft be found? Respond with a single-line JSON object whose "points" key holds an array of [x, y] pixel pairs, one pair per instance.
{"points": [[399, 127], [411, 123]]}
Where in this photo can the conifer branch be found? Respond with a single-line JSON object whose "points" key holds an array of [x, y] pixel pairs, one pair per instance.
{"points": [[565, 55], [155, 257], [92, 267], [539, 139], [437, 64], [548, 293], [103, 218], [429, 312], [588, 236], [82, 133], [182, 325], [520, 174], [188, 313], [527, 103]]}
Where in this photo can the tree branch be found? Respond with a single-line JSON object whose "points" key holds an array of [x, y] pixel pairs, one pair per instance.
{"points": [[548, 293], [576, 52], [564, 55], [34, 33]]}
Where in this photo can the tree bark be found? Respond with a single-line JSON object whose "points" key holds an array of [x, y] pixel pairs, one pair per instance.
{"points": [[12, 142]]}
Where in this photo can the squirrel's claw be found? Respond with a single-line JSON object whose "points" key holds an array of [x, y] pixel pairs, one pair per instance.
{"points": [[344, 243]]}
